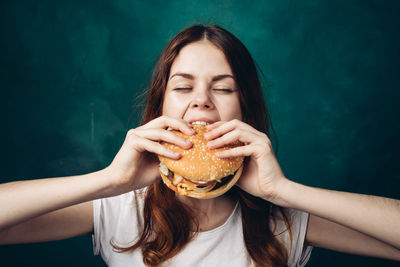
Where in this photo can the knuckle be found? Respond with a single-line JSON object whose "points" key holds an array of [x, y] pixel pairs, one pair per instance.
{"points": [[267, 149], [132, 141], [269, 143], [163, 120], [265, 136], [132, 138], [236, 122], [165, 135], [130, 133], [236, 133]]}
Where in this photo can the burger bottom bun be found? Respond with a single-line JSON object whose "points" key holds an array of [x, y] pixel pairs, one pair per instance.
{"points": [[205, 195]]}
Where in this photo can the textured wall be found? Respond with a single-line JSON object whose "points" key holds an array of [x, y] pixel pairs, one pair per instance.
{"points": [[70, 72]]}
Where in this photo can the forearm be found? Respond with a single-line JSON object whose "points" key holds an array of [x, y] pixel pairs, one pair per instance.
{"points": [[23, 200], [376, 216]]}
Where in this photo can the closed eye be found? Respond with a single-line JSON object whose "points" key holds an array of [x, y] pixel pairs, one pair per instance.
{"points": [[223, 90], [183, 89]]}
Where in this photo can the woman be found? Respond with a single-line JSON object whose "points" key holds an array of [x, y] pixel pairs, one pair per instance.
{"points": [[204, 74]]}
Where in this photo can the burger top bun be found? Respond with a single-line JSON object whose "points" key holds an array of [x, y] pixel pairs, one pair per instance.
{"points": [[199, 162]]}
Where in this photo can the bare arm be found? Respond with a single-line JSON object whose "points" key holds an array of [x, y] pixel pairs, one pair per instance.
{"points": [[60, 224], [48, 209], [23, 200], [374, 216], [348, 222], [57, 208], [329, 235]]}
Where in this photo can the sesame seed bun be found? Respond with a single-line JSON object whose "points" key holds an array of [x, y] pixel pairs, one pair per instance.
{"points": [[199, 172]]}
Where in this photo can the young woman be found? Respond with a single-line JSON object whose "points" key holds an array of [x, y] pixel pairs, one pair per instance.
{"points": [[203, 74]]}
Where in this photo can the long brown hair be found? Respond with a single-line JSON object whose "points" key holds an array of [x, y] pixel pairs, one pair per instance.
{"points": [[167, 221]]}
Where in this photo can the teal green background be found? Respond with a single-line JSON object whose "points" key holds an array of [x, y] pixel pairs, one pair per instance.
{"points": [[71, 72]]}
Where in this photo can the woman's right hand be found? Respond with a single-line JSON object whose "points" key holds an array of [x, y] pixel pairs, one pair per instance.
{"points": [[136, 163]]}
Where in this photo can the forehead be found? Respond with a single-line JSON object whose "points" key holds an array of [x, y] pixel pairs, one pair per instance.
{"points": [[201, 58]]}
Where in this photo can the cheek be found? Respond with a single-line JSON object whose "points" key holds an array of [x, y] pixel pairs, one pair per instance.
{"points": [[239, 115], [236, 112], [166, 108], [173, 107], [230, 110]]}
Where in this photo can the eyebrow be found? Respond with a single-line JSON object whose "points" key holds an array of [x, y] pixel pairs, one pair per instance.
{"points": [[191, 77]]}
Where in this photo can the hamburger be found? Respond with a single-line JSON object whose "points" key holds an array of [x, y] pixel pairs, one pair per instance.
{"points": [[199, 173]]}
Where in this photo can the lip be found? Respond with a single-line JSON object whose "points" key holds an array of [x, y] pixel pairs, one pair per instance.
{"points": [[209, 121]]}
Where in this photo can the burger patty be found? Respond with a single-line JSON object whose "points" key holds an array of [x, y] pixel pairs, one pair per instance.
{"points": [[186, 184]]}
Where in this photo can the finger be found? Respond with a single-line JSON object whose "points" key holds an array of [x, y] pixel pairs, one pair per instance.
{"points": [[143, 144], [241, 151], [164, 135], [173, 123], [214, 125], [233, 136], [225, 127]]}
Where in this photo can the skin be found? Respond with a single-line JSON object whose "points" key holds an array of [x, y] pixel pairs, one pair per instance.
{"points": [[58, 208]]}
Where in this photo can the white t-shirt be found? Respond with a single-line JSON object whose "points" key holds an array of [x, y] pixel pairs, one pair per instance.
{"points": [[117, 218]]}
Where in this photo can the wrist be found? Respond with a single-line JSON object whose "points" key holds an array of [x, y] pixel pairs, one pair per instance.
{"points": [[280, 192], [104, 183], [113, 183]]}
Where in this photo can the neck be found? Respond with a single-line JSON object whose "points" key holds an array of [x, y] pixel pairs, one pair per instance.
{"points": [[210, 213]]}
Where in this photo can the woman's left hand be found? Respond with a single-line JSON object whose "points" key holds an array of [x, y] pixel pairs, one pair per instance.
{"points": [[262, 175]]}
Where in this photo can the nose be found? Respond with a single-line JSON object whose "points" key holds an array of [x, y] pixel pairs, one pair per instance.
{"points": [[201, 100]]}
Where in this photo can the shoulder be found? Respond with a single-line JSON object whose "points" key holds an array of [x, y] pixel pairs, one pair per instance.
{"points": [[115, 204], [119, 217], [109, 212], [292, 235]]}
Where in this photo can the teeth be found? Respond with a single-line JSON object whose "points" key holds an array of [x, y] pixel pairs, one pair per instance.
{"points": [[200, 122]]}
